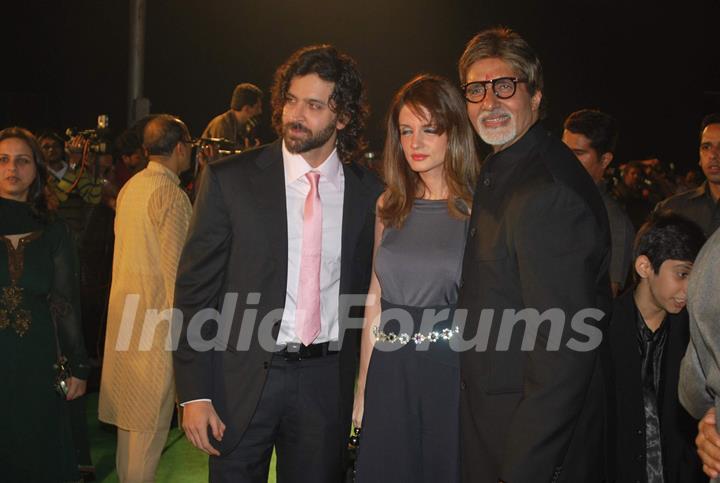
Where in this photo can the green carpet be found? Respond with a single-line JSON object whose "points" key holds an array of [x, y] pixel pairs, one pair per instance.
{"points": [[181, 462]]}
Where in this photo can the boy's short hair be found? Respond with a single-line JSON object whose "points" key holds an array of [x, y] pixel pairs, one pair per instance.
{"points": [[668, 236]]}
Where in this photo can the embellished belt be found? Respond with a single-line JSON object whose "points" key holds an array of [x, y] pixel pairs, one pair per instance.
{"points": [[417, 338], [440, 330]]}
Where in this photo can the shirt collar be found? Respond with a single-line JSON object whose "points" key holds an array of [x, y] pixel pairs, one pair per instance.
{"points": [[296, 167], [644, 331], [704, 190], [156, 167], [60, 172]]}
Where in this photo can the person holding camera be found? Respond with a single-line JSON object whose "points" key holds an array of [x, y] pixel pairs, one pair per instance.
{"points": [[43, 362], [74, 188], [238, 124]]}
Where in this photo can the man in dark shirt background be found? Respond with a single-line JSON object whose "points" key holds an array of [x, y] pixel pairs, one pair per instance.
{"points": [[701, 204]]}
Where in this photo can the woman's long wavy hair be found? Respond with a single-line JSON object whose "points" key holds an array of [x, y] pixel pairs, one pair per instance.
{"points": [[446, 108], [36, 193], [347, 99]]}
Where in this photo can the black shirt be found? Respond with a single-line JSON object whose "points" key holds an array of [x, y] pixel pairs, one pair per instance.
{"points": [[651, 345]]}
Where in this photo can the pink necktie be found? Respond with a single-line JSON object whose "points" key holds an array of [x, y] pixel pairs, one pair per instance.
{"points": [[307, 314]]}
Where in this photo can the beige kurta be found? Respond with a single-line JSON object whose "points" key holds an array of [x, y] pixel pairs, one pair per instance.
{"points": [[152, 219]]}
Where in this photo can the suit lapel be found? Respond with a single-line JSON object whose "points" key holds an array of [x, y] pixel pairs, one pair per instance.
{"points": [[354, 214], [268, 190]]}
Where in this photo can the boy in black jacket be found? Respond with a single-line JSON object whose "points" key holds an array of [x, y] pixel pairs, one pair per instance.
{"points": [[652, 435]]}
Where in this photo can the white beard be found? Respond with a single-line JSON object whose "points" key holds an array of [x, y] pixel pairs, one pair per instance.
{"points": [[500, 135]]}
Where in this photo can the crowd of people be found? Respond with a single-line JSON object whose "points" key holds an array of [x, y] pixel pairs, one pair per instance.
{"points": [[520, 318]]}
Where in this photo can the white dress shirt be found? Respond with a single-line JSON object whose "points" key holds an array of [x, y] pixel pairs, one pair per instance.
{"points": [[60, 172], [331, 188]]}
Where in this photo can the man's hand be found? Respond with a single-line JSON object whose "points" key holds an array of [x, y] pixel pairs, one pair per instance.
{"points": [[251, 144], [197, 416], [708, 444], [74, 150], [207, 153], [76, 388]]}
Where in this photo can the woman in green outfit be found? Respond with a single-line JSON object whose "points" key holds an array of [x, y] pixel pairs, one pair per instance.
{"points": [[39, 318]]}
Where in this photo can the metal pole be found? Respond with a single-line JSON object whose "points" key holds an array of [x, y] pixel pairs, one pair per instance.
{"points": [[138, 106]]}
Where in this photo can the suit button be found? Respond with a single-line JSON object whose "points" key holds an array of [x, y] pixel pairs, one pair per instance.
{"points": [[486, 182], [640, 457], [472, 232], [462, 282], [462, 385], [639, 432]]}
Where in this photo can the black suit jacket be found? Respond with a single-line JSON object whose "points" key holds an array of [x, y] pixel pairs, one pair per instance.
{"points": [[678, 428], [538, 239], [237, 244]]}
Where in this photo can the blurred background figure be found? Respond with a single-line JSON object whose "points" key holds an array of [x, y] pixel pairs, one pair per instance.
{"points": [[75, 186], [628, 191], [130, 157], [592, 136], [53, 148], [701, 204], [238, 124]]}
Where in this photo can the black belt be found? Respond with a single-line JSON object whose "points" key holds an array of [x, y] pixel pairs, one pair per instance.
{"points": [[296, 352]]}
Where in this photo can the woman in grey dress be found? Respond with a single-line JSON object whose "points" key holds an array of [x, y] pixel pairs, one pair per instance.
{"points": [[407, 397]]}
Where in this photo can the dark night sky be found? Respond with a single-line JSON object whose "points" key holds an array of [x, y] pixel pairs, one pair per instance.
{"points": [[650, 67]]}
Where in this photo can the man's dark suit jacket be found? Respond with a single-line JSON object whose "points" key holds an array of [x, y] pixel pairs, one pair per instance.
{"points": [[678, 428], [538, 238], [237, 243]]}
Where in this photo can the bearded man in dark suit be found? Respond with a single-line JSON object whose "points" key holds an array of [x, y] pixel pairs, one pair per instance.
{"points": [[287, 229]]}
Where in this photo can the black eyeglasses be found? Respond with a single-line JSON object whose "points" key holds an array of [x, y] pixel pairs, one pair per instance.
{"points": [[503, 88]]}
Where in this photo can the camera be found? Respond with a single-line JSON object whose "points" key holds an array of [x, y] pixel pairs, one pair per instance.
{"points": [[220, 146], [97, 139]]}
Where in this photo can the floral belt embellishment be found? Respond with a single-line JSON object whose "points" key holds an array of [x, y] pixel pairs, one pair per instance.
{"points": [[10, 312], [418, 338]]}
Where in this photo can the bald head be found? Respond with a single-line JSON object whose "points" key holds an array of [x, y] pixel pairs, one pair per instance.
{"points": [[162, 133]]}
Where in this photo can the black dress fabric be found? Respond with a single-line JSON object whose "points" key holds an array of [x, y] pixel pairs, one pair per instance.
{"points": [[411, 420], [38, 281]]}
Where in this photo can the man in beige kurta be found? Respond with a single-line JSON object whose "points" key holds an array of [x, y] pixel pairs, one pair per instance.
{"points": [[137, 391]]}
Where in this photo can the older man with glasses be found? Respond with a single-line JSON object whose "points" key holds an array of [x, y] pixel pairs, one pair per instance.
{"points": [[538, 243]]}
